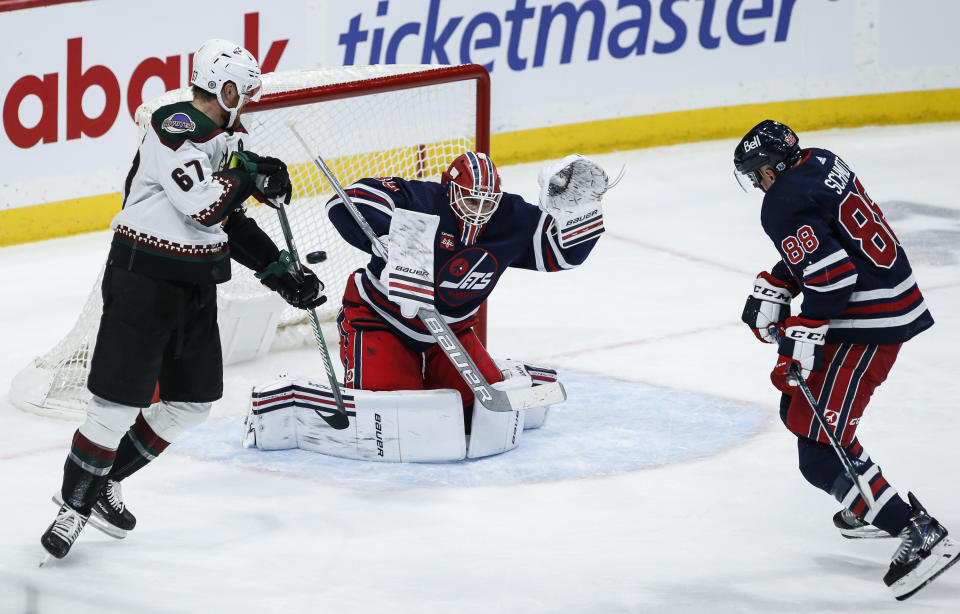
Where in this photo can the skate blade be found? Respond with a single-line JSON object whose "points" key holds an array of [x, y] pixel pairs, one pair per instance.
{"points": [[103, 526], [867, 532], [96, 521], [941, 558]]}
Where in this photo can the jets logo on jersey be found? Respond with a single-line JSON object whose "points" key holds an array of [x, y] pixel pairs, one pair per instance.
{"points": [[466, 276], [458, 267], [178, 123], [446, 240]]}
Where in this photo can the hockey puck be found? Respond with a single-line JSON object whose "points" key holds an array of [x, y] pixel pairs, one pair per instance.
{"points": [[315, 257]]}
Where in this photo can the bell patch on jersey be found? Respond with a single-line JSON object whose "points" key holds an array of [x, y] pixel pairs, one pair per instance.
{"points": [[466, 276], [178, 123]]}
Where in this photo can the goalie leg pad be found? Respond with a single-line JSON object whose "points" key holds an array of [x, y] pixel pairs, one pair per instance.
{"points": [[271, 422], [535, 418], [398, 426], [493, 432], [407, 426]]}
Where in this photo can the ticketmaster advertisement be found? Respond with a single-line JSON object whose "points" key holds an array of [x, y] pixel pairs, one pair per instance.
{"points": [[74, 73]]}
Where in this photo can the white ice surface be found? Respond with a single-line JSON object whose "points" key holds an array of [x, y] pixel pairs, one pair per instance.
{"points": [[732, 528]]}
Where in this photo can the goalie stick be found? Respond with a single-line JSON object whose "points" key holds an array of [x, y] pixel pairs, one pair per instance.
{"points": [[312, 313], [491, 398], [858, 480]]}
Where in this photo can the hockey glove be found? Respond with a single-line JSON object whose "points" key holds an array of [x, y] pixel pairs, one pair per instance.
{"points": [[571, 191], [269, 174], [801, 345], [303, 292], [768, 304]]}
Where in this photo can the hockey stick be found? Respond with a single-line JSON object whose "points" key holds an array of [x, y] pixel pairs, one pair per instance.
{"points": [[858, 480], [492, 398], [311, 312]]}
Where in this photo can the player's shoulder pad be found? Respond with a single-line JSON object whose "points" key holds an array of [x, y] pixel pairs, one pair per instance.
{"points": [[518, 206], [425, 196], [386, 193], [390, 185], [181, 121]]}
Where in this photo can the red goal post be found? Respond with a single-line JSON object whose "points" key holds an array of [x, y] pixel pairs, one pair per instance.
{"points": [[367, 121]]}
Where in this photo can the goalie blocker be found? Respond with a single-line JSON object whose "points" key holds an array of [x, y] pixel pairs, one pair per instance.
{"points": [[398, 426]]}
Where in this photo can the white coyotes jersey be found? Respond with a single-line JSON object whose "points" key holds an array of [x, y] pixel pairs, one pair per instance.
{"points": [[172, 195]]}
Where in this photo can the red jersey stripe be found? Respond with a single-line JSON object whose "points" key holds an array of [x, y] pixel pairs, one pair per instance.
{"points": [[907, 301], [833, 273]]}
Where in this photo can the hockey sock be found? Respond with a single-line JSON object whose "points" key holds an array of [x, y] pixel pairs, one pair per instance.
{"points": [[891, 512], [85, 472], [821, 467], [139, 446]]}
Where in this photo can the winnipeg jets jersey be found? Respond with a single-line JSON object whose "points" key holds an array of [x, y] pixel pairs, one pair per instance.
{"points": [[468, 260], [175, 196], [840, 250]]}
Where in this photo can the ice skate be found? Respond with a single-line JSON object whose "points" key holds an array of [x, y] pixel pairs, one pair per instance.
{"points": [[852, 527], [925, 552], [62, 532], [109, 513]]}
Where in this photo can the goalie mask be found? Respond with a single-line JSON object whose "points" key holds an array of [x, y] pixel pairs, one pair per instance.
{"points": [[473, 185], [218, 61], [769, 143]]}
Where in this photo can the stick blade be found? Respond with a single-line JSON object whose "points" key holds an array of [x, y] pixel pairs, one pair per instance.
{"points": [[537, 396]]}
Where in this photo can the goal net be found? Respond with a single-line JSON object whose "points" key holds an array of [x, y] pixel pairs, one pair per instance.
{"points": [[366, 121]]}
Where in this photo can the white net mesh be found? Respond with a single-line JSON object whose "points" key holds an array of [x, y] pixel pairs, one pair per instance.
{"points": [[413, 132]]}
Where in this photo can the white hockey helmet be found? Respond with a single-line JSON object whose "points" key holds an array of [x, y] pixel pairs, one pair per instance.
{"points": [[218, 61]]}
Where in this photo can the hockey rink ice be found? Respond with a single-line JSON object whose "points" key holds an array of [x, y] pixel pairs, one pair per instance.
{"points": [[666, 483]]}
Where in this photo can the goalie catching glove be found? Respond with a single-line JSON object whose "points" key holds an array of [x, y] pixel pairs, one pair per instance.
{"points": [[301, 291], [768, 305], [571, 191], [802, 344], [269, 174]]}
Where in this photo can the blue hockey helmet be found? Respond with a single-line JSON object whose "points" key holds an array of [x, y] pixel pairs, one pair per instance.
{"points": [[769, 143]]}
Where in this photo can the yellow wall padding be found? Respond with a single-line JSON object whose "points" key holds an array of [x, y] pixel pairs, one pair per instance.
{"points": [[723, 122], [68, 217], [59, 219]]}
